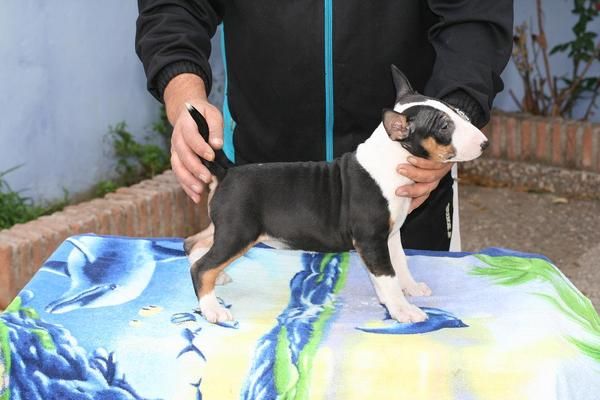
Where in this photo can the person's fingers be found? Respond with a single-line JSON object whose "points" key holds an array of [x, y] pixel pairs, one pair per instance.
{"points": [[191, 194], [186, 134], [417, 202], [188, 157], [418, 174], [422, 175], [425, 163], [192, 186], [214, 119], [416, 189]]}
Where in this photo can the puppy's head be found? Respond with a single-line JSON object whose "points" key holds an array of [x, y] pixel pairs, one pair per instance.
{"points": [[429, 128]]}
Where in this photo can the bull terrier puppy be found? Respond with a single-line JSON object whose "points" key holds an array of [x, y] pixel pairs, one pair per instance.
{"points": [[349, 203]]}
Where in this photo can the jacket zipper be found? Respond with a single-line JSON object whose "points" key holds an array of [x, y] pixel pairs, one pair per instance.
{"points": [[228, 122], [328, 33]]}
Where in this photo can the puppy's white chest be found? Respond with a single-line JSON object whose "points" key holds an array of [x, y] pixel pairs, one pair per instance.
{"points": [[398, 210], [380, 157]]}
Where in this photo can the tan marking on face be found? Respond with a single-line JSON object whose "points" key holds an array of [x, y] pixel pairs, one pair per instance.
{"points": [[438, 152], [210, 277]]}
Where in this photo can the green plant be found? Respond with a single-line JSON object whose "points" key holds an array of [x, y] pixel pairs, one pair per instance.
{"points": [[163, 127], [16, 208], [137, 161], [105, 186], [545, 93]]}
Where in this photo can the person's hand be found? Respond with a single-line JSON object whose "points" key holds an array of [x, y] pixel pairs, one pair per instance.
{"points": [[426, 174], [187, 146]]}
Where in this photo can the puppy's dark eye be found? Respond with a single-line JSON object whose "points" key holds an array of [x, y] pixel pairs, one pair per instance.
{"points": [[445, 126]]}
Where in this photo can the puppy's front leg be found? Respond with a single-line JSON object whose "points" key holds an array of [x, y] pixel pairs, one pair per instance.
{"points": [[398, 258], [387, 285]]}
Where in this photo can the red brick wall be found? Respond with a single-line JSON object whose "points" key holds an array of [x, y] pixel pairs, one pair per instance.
{"points": [[551, 141], [156, 207]]}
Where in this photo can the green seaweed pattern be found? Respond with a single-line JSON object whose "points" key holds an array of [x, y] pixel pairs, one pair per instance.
{"points": [[283, 362], [512, 271], [5, 356], [293, 381]]}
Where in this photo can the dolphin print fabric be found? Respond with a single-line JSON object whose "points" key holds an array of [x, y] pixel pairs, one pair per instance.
{"points": [[115, 318]]}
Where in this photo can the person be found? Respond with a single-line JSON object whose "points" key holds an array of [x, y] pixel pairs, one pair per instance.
{"points": [[307, 80]]}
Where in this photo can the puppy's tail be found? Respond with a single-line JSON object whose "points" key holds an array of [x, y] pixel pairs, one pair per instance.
{"points": [[219, 166]]}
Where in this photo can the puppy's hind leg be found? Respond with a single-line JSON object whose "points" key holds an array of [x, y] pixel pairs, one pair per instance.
{"points": [[197, 245], [202, 239], [205, 272]]}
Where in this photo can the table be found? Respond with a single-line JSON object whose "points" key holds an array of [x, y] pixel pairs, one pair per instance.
{"points": [[114, 318]]}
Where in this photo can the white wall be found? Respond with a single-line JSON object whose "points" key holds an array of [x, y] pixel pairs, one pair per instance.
{"points": [[68, 70]]}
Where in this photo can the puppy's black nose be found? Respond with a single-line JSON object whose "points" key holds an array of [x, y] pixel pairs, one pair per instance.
{"points": [[485, 145]]}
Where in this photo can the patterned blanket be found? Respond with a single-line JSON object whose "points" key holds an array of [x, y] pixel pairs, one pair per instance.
{"points": [[114, 318]]}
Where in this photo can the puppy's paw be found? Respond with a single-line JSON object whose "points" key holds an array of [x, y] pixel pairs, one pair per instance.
{"points": [[417, 289], [407, 313], [213, 311], [223, 278]]}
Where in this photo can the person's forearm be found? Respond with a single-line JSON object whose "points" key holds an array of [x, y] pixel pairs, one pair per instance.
{"points": [[181, 89], [173, 37], [473, 41]]}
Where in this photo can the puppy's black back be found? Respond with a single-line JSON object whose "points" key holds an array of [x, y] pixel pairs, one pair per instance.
{"points": [[314, 206]]}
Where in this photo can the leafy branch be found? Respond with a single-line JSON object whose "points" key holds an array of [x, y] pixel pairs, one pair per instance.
{"points": [[137, 161], [545, 93]]}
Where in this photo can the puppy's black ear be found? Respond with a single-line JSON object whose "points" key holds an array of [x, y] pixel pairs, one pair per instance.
{"points": [[395, 124], [401, 83]]}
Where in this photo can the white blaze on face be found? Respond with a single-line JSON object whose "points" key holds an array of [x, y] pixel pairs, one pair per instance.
{"points": [[466, 138]]}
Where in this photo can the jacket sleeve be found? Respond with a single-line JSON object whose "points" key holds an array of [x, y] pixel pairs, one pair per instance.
{"points": [[473, 42], [173, 37]]}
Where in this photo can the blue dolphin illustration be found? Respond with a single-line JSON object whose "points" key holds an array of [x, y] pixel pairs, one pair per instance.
{"points": [[438, 319], [106, 272]]}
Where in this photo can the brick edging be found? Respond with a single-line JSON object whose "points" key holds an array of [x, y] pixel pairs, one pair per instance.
{"points": [[539, 153], [545, 140], [154, 207], [534, 177]]}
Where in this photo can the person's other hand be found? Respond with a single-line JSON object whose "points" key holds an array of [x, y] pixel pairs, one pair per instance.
{"points": [[426, 174], [187, 146]]}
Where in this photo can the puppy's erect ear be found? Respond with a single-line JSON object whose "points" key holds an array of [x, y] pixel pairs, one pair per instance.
{"points": [[395, 124], [401, 83]]}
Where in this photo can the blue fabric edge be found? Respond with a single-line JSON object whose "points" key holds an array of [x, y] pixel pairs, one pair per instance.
{"points": [[488, 251]]}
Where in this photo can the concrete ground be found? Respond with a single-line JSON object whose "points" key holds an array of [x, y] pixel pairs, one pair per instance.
{"points": [[567, 231]]}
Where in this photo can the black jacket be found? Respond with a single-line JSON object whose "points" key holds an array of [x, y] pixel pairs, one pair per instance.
{"points": [[307, 79]]}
